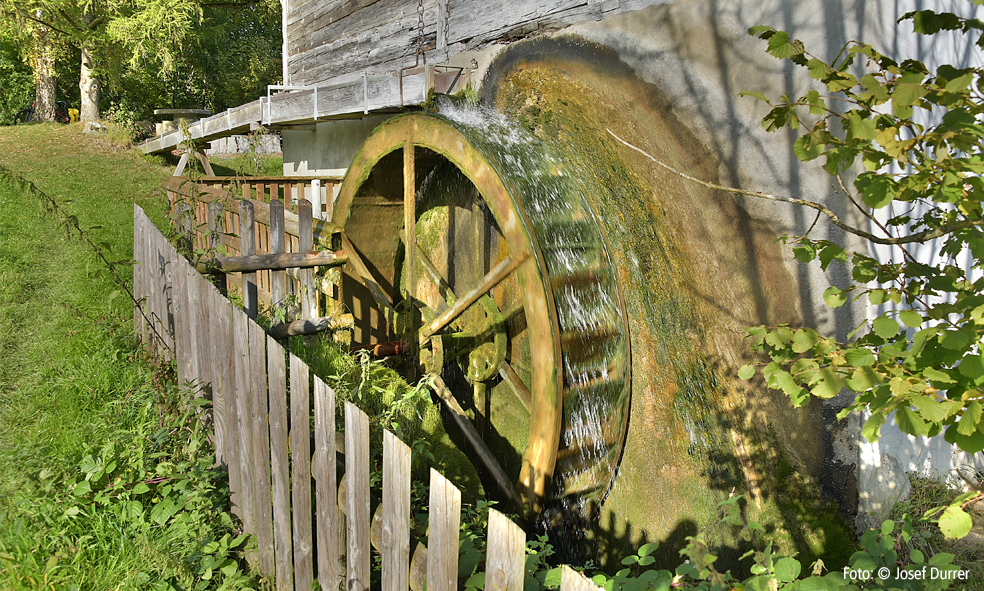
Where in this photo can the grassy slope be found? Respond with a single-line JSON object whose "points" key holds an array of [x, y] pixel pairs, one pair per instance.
{"points": [[71, 377]]}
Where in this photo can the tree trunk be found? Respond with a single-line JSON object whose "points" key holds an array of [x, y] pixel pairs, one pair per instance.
{"points": [[44, 75], [88, 87]]}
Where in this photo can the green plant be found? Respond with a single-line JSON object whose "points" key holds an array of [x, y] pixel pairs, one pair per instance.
{"points": [[919, 362]]}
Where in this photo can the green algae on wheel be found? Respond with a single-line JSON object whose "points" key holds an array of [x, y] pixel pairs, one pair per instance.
{"points": [[506, 285]]}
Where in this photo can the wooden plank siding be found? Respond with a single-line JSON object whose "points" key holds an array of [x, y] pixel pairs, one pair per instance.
{"points": [[265, 443], [333, 40]]}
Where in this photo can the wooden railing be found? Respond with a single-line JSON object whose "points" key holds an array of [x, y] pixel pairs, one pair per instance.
{"points": [[319, 190], [210, 216], [262, 435]]}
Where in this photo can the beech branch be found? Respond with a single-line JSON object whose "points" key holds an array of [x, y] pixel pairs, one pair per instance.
{"points": [[918, 237]]}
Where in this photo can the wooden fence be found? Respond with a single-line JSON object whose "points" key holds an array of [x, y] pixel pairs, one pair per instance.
{"points": [[308, 526], [212, 218]]}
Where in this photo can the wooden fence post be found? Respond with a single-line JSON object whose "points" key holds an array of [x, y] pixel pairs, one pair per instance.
{"points": [[283, 541], [326, 478], [357, 498], [395, 534], [443, 523], [305, 243], [300, 456], [278, 278], [247, 247]]}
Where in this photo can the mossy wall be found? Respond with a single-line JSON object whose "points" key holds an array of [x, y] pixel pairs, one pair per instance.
{"points": [[696, 270]]}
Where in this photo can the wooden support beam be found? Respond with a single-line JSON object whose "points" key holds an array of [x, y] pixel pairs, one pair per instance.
{"points": [[262, 262], [312, 325]]}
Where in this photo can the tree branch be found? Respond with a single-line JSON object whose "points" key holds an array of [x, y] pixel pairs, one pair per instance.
{"points": [[918, 237]]}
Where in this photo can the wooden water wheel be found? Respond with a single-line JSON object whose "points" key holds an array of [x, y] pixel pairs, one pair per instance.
{"points": [[504, 289]]}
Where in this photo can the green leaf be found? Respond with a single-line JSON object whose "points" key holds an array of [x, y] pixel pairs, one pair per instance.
{"points": [[971, 366], [955, 523], [830, 253], [876, 190], [787, 569], [746, 371], [477, 581], [82, 488], [757, 95], [834, 297], [860, 357], [954, 339], [842, 81], [910, 422], [885, 327], [804, 339], [863, 379], [935, 375], [140, 488], [781, 47], [930, 409], [872, 427], [807, 148], [829, 384], [970, 419], [911, 318], [916, 556]]}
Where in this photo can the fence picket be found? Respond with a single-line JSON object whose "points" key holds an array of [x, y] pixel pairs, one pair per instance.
{"points": [[240, 325], [571, 580], [305, 243], [247, 247], [279, 467], [261, 448], [443, 524], [278, 279], [325, 476], [141, 237], [217, 370], [300, 463], [395, 535], [357, 498], [504, 567]]}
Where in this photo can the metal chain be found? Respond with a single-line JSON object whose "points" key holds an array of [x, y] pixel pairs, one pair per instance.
{"points": [[420, 27], [447, 30]]}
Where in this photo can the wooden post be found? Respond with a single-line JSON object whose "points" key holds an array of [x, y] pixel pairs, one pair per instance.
{"points": [[300, 456], [442, 540], [305, 243], [261, 448], [357, 498], [247, 247], [283, 552], [216, 227], [325, 478], [278, 280], [141, 237], [505, 565], [395, 535], [410, 215]]}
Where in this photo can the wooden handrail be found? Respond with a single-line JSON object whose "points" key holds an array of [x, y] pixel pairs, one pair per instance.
{"points": [[323, 230]]}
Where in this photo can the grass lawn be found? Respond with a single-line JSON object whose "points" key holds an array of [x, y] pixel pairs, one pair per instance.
{"points": [[105, 482]]}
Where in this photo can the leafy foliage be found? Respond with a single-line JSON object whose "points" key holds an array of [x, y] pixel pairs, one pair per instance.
{"points": [[921, 361]]}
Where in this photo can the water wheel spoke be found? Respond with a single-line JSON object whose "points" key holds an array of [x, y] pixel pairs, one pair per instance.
{"points": [[516, 385], [471, 434], [355, 259], [493, 278], [442, 285]]}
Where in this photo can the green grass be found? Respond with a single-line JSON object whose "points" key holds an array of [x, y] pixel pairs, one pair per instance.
{"points": [[84, 419]]}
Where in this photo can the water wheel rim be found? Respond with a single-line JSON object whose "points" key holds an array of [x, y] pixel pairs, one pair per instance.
{"points": [[440, 136], [560, 460]]}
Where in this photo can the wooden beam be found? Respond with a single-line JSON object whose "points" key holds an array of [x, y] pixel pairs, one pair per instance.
{"points": [[263, 262], [311, 326]]}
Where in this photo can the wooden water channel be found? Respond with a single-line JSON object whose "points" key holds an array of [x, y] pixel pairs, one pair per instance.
{"points": [[308, 524]]}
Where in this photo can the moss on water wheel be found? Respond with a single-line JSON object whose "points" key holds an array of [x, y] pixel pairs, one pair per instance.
{"points": [[540, 356]]}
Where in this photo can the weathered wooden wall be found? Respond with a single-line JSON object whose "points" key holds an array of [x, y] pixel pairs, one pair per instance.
{"points": [[326, 40]]}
